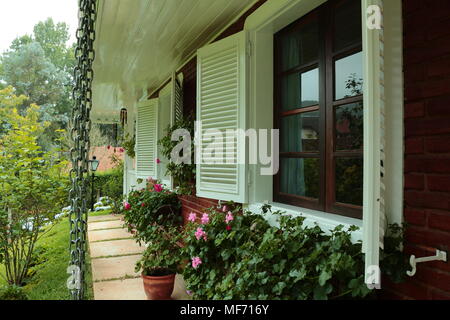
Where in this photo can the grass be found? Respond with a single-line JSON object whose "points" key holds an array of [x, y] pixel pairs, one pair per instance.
{"points": [[50, 276]]}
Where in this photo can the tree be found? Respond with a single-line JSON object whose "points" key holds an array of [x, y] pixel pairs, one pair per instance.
{"points": [[40, 67], [32, 186]]}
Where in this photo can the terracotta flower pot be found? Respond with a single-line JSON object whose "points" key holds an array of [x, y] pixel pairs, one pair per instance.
{"points": [[159, 288]]}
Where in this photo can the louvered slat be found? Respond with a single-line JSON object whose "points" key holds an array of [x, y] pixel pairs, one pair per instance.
{"points": [[146, 138], [221, 108]]}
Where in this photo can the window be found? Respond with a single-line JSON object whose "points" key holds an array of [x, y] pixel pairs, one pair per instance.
{"points": [[319, 110]]}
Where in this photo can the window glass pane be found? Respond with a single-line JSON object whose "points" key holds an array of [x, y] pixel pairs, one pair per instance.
{"points": [[300, 132], [300, 47], [300, 90], [349, 127], [349, 180], [349, 76], [347, 24], [300, 177]]}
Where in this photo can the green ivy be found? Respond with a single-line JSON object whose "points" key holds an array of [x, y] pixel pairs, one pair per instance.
{"points": [[250, 259], [182, 174]]}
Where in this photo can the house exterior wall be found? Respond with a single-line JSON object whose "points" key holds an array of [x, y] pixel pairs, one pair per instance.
{"points": [[427, 146]]}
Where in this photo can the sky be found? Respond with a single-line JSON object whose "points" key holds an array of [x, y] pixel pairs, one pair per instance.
{"points": [[18, 17]]}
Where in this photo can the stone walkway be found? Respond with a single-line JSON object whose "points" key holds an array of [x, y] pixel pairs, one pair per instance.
{"points": [[114, 254]]}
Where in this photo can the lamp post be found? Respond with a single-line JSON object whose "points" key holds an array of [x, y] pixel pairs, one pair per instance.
{"points": [[93, 166]]}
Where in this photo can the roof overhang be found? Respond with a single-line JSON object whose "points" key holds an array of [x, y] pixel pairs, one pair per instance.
{"points": [[139, 43]]}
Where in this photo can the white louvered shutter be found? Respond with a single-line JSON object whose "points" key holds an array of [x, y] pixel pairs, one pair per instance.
{"points": [[177, 98], [146, 138], [221, 105], [374, 215]]}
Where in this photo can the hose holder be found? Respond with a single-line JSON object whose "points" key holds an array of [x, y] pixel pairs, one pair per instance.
{"points": [[413, 261]]}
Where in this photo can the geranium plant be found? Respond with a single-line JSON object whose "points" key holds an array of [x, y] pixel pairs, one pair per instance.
{"points": [[150, 207]]}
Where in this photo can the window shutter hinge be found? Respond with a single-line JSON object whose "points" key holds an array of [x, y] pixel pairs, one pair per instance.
{"points": [[249, 48]]}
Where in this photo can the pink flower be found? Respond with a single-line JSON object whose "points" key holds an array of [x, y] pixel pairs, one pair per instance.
{"points": [[158, 187], [200, 234], [192, 217], [228, 228], [121, 149], [229, 217], [143, 204], [205, 218], [224, 209], [189, 292], [196, 261], [127, 206], [158, 161]]}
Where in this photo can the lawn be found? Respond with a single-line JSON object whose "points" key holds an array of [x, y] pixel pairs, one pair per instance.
{"points": [[49, 277]]}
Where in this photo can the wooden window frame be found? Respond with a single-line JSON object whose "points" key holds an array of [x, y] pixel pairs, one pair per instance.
{"points": [[326, 154]]}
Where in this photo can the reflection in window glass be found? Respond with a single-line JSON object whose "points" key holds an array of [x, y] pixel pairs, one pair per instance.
{"points": [[347, 24], [349, 180], [300, 90], [349, 76], [300, 177], [300, 132], [300, 47], [349, 127]]}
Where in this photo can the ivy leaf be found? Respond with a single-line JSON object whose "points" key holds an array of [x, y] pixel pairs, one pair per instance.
{"points": [[322, 292], [324, 277]]}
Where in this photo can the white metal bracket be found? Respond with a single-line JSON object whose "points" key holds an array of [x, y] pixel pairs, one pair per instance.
{"points": [[440, 256]]}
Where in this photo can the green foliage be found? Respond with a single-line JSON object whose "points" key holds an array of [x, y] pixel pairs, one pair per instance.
{"points": [[40, 67], [12, 292], [129, 145], [162, 256], [182, 174], [247, 258], [32, 183], [110, 184], [150, 209], [394, 262]]}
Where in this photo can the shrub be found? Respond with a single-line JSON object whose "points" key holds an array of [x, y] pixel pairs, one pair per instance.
{"points": [[151, 208], [162, 256], [240, 256], [110, 184], [12, 292]]}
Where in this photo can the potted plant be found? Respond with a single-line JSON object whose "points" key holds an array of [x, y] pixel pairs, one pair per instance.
{"points": [[160, 262]]}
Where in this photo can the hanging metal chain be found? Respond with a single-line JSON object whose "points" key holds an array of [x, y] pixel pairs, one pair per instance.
{"points": [[80, 128]]}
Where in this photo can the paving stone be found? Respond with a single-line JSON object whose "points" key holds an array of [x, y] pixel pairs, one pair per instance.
{"points": [[105, 225], [110, 234], [104, 218], [179, 291], [115, 248], [129, 289], [114, 267]]}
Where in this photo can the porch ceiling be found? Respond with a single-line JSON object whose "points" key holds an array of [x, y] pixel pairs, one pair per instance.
{"points": [[140, 42]]}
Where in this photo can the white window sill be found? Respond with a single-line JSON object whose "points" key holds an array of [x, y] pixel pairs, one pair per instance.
{"points": [[326, 221]]}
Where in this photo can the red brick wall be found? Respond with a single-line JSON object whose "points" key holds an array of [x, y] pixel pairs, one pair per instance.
{"points": [[427, 144]]}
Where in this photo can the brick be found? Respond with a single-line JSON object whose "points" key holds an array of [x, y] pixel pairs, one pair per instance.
{"points": [[440, 144], [414, 110], [439, 295], [415, 217], [427, 165], [438, 67], [438, 106], [408, 290], [414, 181], [439, 221], [433, 126], [439, 183], [427, 200], [414, 146], [425, 237], [437, 279]]}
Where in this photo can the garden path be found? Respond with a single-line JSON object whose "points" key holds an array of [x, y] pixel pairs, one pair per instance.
{"points": [[114, 254]]}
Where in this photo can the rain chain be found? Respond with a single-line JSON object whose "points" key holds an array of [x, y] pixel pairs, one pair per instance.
{"points": [[79, 132]]}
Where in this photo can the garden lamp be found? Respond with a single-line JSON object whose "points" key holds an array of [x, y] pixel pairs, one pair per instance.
{"points": [[94, 163]]}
